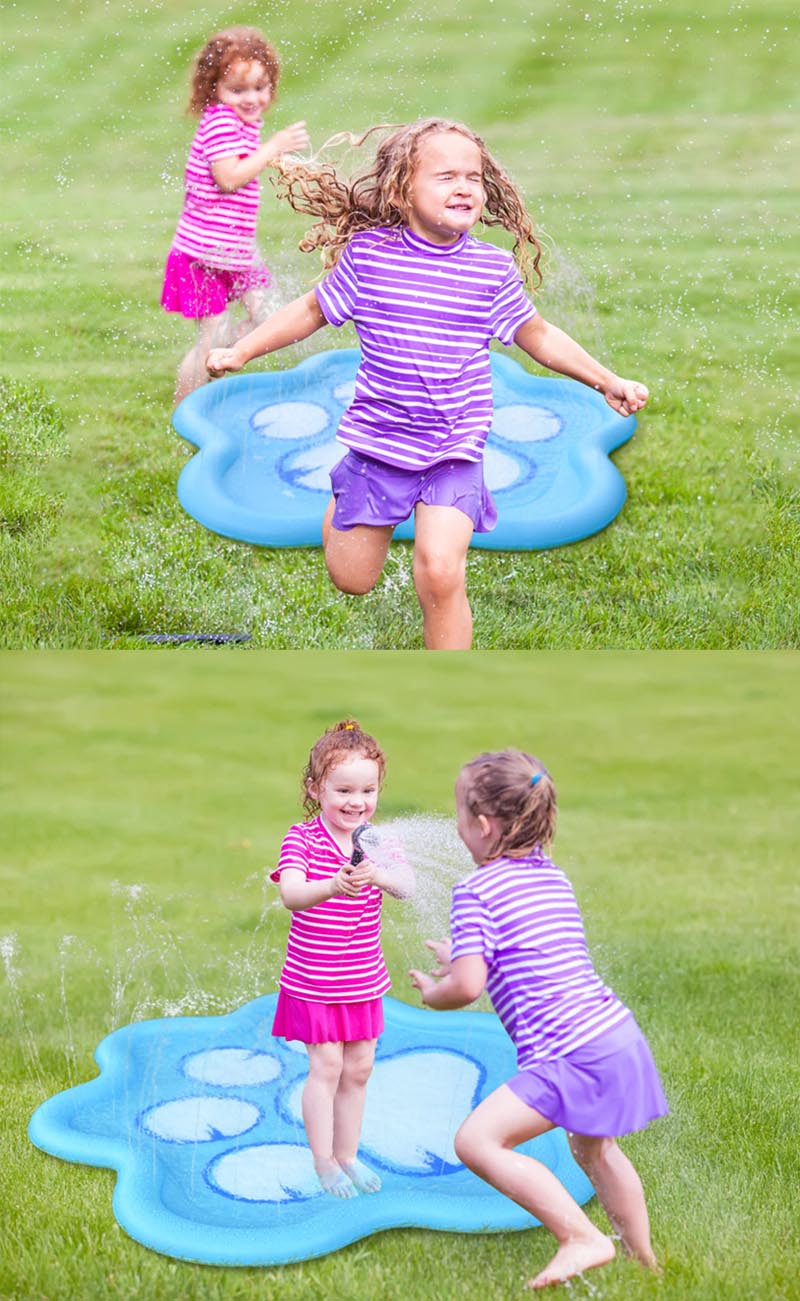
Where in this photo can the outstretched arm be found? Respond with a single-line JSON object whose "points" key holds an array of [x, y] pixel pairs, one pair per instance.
{"points": [[232, 172], [298, 893], [553, 348], [288, 325], [464, 982]]}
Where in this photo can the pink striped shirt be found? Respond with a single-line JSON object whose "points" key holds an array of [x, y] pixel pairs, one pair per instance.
{"points": [[521, 916], [333, 954], [219, 228]]}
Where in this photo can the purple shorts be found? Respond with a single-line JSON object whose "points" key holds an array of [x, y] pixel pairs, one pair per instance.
{"points": [[320, 1023], [371, 492], [608, 1087], [196, 290]]}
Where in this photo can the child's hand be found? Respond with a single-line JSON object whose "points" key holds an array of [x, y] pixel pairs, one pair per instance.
{"points": [[345, 881], [221, 359], [289, 141], [362, 873], [441, 949], [425, 984], [626, 395]]}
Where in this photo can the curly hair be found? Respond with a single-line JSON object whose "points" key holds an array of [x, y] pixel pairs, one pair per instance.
{"points": [[517, 790], [381, 196], [342, 741], [227, 47]]}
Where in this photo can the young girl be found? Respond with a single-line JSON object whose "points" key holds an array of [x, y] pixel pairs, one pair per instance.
{"points": [[334, 974], [583, 1063], [213, 259], [426, 298]]}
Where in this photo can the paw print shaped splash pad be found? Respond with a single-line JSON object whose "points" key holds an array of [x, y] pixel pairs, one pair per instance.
{"points": [[200, 1117], [268, 441]]}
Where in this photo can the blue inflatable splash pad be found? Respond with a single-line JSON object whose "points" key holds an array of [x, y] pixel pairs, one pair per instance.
{"points": [[200, 1117], [268, 441]]}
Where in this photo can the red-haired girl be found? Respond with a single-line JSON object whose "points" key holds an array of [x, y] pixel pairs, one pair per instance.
{"points": [[334, 976], [213, 260]]}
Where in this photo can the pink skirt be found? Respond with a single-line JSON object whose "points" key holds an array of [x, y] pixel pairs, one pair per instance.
{"points": [[608, 1087], [196, 290], [322, 1023]]}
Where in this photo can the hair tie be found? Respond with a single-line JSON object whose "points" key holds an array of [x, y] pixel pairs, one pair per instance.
{"points": [[349, 727], [535, 778]]}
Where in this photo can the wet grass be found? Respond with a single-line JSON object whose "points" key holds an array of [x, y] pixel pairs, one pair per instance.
{"points": [[654, 145], [142, 805]]}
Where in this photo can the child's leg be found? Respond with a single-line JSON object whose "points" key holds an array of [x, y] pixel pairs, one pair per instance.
{"points": [[486, 1143], [212, 332], [355, 557], [348, 1112], [324, 1073], [620, 1191], [441, 541]]}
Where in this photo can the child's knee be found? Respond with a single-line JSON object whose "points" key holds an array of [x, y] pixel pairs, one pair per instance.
{"points": [[349, 572], [438, 576], [467, 1146], [591, 1153], [346, 580]]}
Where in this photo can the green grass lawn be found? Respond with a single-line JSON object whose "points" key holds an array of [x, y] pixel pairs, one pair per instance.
{"points": [[654, 145], [140, 807]]}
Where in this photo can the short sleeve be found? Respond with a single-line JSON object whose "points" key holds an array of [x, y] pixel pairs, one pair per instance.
{"points": [[293, 854], [470, 926], [511, 306], [222, 136], [338, 293]]}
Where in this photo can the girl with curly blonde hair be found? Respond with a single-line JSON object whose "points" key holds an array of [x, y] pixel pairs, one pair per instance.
{"points": [[426, 298]]}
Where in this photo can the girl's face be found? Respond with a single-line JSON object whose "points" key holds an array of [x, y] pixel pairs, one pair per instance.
{"points": [[476, 832], [246, 88], [447, 194], [347, 794]]}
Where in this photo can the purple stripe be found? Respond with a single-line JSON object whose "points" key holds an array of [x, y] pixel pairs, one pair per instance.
{"points": [[424, 316]]}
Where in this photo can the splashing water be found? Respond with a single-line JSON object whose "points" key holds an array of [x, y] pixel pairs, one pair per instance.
{"points": [[439, 859], [9, 951]]}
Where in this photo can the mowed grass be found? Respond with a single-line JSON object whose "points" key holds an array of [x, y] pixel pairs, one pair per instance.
{"points": [[655, 147], [140, 808]]}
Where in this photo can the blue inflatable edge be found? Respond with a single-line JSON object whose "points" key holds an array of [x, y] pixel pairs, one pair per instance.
{"points": [[171, 1235], [200, 495]]}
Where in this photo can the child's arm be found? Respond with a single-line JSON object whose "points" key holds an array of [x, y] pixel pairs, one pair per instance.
{"points": [[298, 893], [288, 325], [465, 981], [551, 347], [231, 172]]}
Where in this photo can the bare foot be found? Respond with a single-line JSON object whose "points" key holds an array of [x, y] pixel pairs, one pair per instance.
{"points": [[333, 1179], [573, 1258], [365, 1180]]}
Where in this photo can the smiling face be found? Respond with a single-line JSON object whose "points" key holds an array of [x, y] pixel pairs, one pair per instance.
{"points": [[347, 795], [446, 193], [246, 88]]}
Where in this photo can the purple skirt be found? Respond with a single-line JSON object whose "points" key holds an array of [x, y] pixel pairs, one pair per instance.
{"points": [[608, 1087], [375, 493], [322, 1023]]}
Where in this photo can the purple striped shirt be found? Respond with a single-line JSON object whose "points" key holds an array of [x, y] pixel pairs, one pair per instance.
{"points": [[333, 954], [424, 314], [521, 916], [219, 228]]}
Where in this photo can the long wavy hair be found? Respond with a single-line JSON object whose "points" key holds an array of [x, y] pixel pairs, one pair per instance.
{"points": [[382, 195]]}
